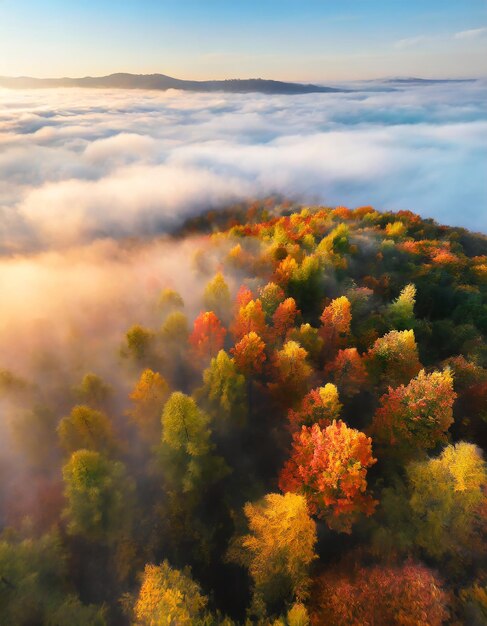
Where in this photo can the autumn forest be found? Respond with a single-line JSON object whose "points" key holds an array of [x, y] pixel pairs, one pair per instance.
{"points": [[289, 431]]}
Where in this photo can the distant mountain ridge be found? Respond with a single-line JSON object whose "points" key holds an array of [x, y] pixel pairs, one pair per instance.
{"points": [[163, 82], [413, 80]]}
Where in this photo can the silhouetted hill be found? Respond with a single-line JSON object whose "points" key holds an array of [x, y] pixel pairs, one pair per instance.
{"points": [[162, 82]]}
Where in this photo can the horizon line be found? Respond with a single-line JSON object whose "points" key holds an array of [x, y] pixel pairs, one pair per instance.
{"points": [[247, 78]]}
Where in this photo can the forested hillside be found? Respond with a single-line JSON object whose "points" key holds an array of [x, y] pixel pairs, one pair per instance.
{"points": [[305, 445]]}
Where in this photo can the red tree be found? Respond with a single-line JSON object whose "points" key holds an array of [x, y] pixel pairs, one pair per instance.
{"points": [[208, 335], [329, 466], [348, 371], [284, 317], [244, 296], [416, 416], [407, 595], [249, 354], [320, 406]]}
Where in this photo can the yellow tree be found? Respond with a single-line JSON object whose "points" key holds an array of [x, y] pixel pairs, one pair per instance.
{"points": [[309, 338], [291, 373], [393, 359], [271, 296], [148, 397], [168, 597], [217, 297], [335, 324], [279, 548], [448, 495], [337, 316], [250, 318]]}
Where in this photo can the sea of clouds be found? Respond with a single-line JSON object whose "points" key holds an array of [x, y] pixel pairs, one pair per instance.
{"points": [[80, 165]]}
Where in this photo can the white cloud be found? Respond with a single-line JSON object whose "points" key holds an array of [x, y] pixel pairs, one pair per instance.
{"points": [[413, 42], [474, 33], [426, 40], [135, 200], [79, 165]]}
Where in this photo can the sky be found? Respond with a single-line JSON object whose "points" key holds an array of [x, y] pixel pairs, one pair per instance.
{"points": [[302, 40]]}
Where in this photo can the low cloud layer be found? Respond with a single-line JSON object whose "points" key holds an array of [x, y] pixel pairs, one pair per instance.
{"points": [[78, 165]]}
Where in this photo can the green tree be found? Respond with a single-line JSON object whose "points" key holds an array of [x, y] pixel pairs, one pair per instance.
{"points": [[98, 497], [175, 330], [173, 339], [139, 344], [86, 428], [185, 426], [170, 301], [73, 613], [33, 585], [11, 384], [309, 338], [306, 284], [186, 446], [93, 391], [401, 311], [271, 295], [216, 297], [224, 389]]}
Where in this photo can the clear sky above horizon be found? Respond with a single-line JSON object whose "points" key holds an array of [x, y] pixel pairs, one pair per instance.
{"points": [[303, 40]]}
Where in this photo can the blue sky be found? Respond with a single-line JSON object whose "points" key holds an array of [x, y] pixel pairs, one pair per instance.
{"points": [[316, 40]]}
